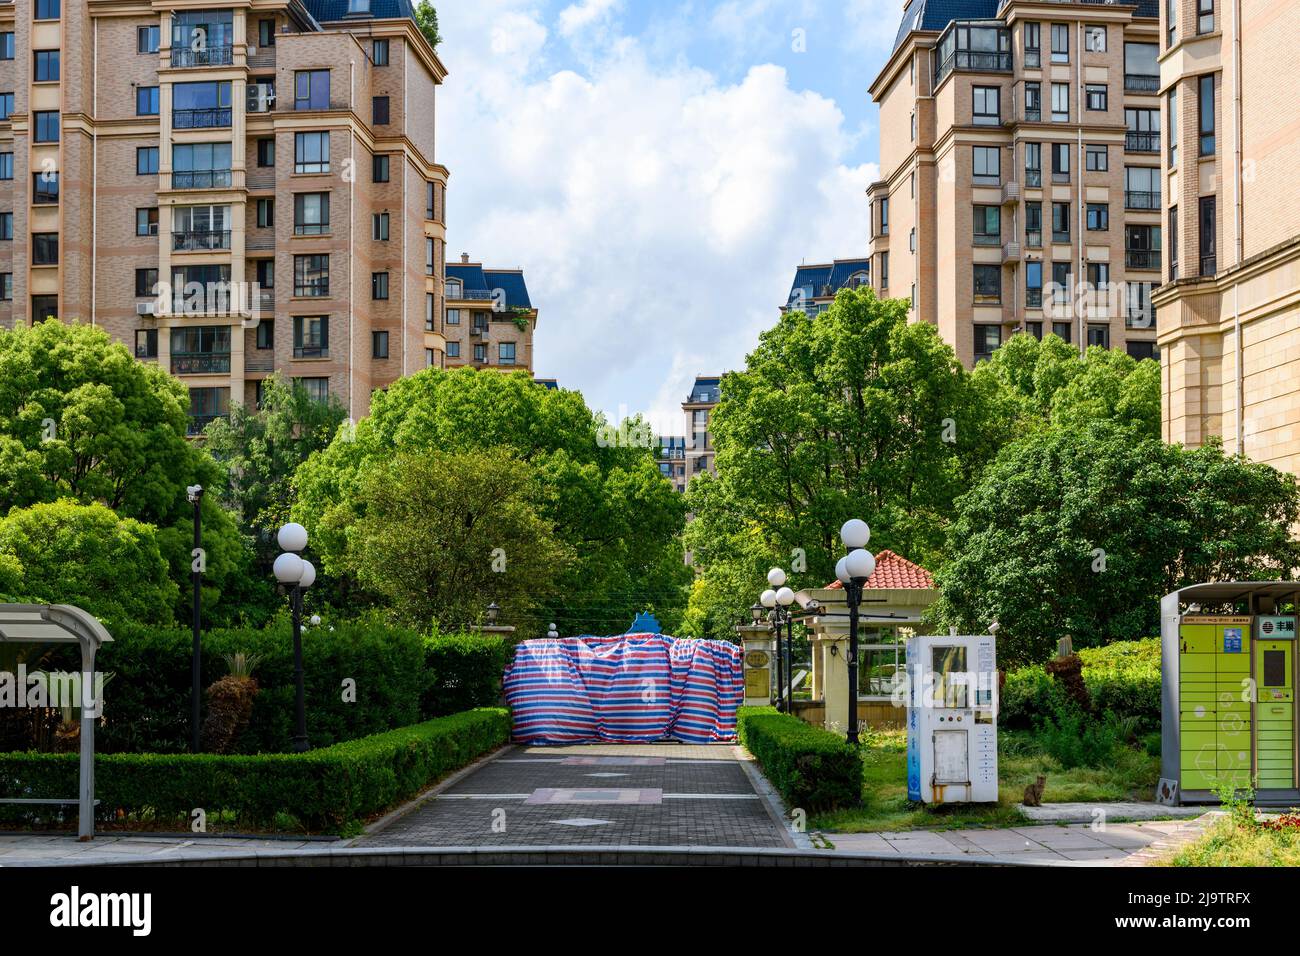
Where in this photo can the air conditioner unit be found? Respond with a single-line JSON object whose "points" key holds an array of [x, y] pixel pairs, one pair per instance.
{"points": [[144, 308]]}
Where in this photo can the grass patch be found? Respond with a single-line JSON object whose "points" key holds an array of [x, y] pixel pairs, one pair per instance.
{"points": [[1129, 774], [1239, 838]]}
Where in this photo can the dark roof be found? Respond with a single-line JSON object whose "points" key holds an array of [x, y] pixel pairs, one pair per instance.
{"points": [[707, 388], [827, 279], [477, 279], [332, 11], [937, 14]]}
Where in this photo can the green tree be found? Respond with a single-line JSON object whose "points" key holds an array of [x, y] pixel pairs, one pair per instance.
{"points": [[81, 418], [426, 18], [86, 555], [441, 535], [1081, 530], [605, 499]]}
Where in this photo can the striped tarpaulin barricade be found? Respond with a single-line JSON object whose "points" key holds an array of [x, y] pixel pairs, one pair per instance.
{"points": [[631, 688]]}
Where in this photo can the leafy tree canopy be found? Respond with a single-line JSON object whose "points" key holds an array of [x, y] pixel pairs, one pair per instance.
{"points": [[426, 18]]}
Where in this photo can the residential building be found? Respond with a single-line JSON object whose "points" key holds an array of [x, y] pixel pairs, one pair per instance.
{"points": [[698, 407], [1020, 155], [1230, 308], [671, 459], [229, 189], [814, 286], [489, 318]]}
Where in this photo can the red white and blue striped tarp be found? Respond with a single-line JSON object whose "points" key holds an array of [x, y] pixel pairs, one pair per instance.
{"points": [[632, 688]]}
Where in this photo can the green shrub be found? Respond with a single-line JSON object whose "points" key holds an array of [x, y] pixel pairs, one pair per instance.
{"points": [[463, 671], [1075, 740], [329, 789], [813, 769], [1123, 678], [1153, 743]]}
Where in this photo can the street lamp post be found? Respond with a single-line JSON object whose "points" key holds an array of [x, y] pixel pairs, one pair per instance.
{"points": [[768, 600], [852, 570], [194, 493], [782, 598], [292, 571]]}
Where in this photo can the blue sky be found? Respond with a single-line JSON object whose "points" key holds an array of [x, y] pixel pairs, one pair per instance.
{"points": [[658, 170]]}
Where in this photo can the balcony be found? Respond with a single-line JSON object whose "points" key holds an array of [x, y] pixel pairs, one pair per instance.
{"points": [[209, 56], [1141, 199], [200, 363], [1033, 179], [1142, 259], [310, 351], [1141, 83], [199, 423], [207, 118], [1010, 193], [973, 61], [1010, 252], [201, 179], [1145, 141], [201, 240]]}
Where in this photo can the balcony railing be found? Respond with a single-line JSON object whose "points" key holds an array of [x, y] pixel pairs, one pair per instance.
{"points": [[201, 179], [1060, 235], [202, 118], [1033, 59], [311, 351], [200, 363], [1141, 199], [975, 61], [199, 423], [1033, 179], [988, 239], [201, 240], [1033, 114], [208, 56], [1141, 83], [1144, 141], [1142, 258], [1034, 238], [1033, 298]]}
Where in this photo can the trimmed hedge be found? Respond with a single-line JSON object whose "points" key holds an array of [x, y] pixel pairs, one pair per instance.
{"points": [[329, 789], [1123, 678], [463, 671], [812, 768]]}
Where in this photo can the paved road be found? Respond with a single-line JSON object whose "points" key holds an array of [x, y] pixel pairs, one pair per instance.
{"points": [[596, 795]]}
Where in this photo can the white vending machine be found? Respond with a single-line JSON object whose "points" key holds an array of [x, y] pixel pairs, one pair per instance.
{"points": [[952, 728]]}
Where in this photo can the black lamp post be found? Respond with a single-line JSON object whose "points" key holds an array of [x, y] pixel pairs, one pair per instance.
{"points": [[853, 570], [768, 600], [297, 574], [194, 493]]}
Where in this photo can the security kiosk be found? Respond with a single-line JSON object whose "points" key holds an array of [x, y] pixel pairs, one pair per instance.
{"points": [[1228, 667], [952, 730]]}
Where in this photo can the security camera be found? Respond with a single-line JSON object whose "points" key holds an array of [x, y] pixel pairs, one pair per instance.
{"points": [[994, 627]]}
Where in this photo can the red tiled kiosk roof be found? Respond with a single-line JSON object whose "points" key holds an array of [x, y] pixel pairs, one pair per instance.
{"points": [[894, 572]]}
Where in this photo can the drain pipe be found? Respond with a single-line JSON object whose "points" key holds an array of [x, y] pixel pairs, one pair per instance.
{"points": [[1081, 276], [1239, 244]]}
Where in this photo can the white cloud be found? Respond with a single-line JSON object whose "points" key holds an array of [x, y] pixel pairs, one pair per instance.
{"points": [[658, 212], [578, 16]]}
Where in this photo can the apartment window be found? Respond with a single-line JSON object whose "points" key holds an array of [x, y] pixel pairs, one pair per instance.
{"points": [[6, 286], [265, 269], [146, 39], [311, 90], [379, 226], [265, 213], [1061, 285], [44, 307], [1033, 102], [379, 52], [311, 336], [146, 343], [1099, 335], [430, 201], [1142, 350], [988, 284], [317, 389], [988, 226], [1171, 22], [266, 152], [1094, 38], [911, 240], [45, 127], [311, 214], [311, 152], [987, 166], [1035, 329], [1033, 165], [311, 275], [453, 316], [453, 350], [265, 33], [146, 282], [45, 248], [1033, 49], [45, 188], [379, 169], [1060, 162], [379, 285], [1205, 113], [430, 313], [201, 105], [146, 221], [45, 66], [6, 105], [7, 48], [6, 166], [1142, 247], [480, 352], [912, 126], [146, 160], [1098, 275], [1142, 130], [1173, 243], [1033, 284], [1204, 16], [146, 101], [1098, 216], [429, 359], [988, 338], [201, 165], [1173, 126], [1033, 224], [884, 216], [430, 258], [1096, 158], [1060, 222], [884, 270], [1141, 67], [1096, 97], [1063, 331], [46, 10], [266, 334], [1060, 43], [1138, 314], [200, 228], [379, 345], [6, 225], [1141, 187], [987, 110], [1207, 229], [1060, 102], [379, 110], [506, 353]]}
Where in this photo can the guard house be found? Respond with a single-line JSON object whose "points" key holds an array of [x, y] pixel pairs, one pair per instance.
{"points": [[1228, 695], [894, 598]]}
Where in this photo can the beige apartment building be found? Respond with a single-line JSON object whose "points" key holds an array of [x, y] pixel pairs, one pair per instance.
{"points": [[230, 189], [1020, 164], [1230, 310], [699, 454], [490, 318]]}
